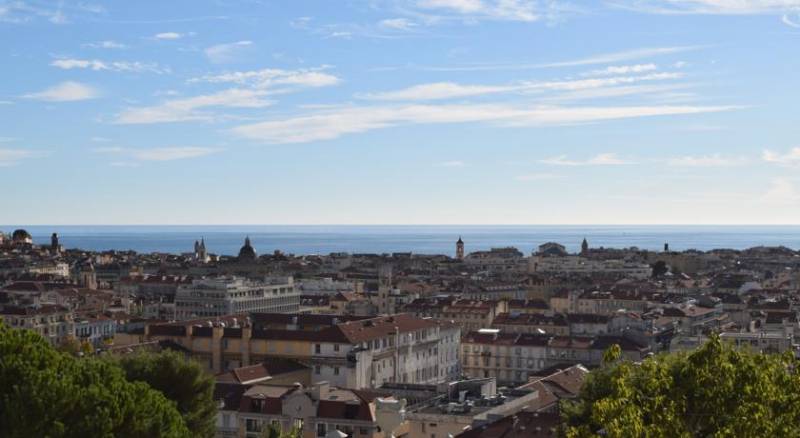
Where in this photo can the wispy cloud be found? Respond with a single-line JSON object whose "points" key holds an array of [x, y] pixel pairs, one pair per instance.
{"points": [[156, 154], [599, 59], [189, 109], [439, 90], [11, 157], [622, 70], [449, 90], [511, 10], [224, 53], [107, 44], [253, 88], [714, 160], [170, 36], [605, 159], [270, 77], [628, 55], [789, 159], [326, 125], [403, 24], [722, 7], [65, 92], [172, 153], [790, 21], [118, 66]]}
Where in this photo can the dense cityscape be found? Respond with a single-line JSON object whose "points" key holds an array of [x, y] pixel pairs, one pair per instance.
{"points": [[399, 219], [368, 345]]}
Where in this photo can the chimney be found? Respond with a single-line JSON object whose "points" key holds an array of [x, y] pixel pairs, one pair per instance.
{"points": [[320, 390]]}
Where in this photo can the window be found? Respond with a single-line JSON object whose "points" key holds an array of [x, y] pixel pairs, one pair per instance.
{"points": [[321, 429], [335, 371], [252, 425], [317, 348], [317, 370], [335, 347]]}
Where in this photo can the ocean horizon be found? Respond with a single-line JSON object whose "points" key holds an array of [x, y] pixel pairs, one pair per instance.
{"points": [[420, 239]]}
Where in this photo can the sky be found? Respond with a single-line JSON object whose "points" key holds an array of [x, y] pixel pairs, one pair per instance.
{"points": [[400, 112]]}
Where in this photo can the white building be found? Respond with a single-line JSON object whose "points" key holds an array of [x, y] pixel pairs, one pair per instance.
{"points": [[218, 296]]}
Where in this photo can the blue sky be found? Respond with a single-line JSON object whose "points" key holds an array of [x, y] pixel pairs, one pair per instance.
{"points": [[400, 112]]}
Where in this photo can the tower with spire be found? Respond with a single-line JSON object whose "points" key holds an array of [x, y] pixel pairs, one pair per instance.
{"points": [[247, 253], [584, 247], [55, 247], [200, 253], [460, 249]]}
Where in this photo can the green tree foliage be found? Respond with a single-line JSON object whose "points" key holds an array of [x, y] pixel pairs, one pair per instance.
{"points": [[714, 391], [273, 431], [660, 268], [181, 380], [46, 393]]}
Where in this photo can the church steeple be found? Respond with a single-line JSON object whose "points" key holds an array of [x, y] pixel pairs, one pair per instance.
{"points": [[460, 249], [247, 253], [584, 247]]}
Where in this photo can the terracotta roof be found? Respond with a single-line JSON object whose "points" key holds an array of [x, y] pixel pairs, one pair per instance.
{"points": [[520, 425], [259, 372]]}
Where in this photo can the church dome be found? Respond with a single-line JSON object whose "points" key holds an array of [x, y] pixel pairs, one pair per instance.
{"points": [[21, 235], [247, 252]]}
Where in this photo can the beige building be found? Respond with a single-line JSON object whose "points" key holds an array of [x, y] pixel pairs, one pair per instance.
{"points": [[349, 352], [512, 357], [470, 315], [52, 322], [315, 411]]}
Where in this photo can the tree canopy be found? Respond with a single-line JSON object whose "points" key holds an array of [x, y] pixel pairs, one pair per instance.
{"points": [[716, 390], [180, 380], [46, 393]]}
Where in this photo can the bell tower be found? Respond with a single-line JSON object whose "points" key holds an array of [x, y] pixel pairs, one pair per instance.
{"points": [[460, 249]]}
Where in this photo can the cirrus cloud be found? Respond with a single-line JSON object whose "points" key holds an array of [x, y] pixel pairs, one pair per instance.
{"points": [[326, 125], [68, 91]]}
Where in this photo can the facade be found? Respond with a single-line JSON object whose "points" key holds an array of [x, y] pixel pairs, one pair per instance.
{"points": [[512, 357], [95, 330], [573, 264], [315, 412], [219, 296], [496, 259], [762, 342], [347, 352], [52, 322], [470, 315]]}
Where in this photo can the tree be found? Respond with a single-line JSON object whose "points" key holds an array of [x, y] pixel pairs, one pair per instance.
{"points": [[273, 431], [660, 268], [69, 345], [46, 393], [181, 380], [717, 390]]}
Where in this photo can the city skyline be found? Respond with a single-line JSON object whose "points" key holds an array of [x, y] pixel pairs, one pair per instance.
{"points": [[400, 112]]}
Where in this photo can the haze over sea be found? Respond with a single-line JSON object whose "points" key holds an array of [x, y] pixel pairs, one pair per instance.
{"points": [[421, 239]]}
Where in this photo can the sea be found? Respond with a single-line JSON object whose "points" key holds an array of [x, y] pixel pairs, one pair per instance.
{"points": [[419, 239]]}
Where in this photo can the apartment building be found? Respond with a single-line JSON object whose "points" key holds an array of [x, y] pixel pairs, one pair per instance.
{"points": [[218, 296], [316, 411], [512, 357], [349, 352], [52, 322], [469, 314]]}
